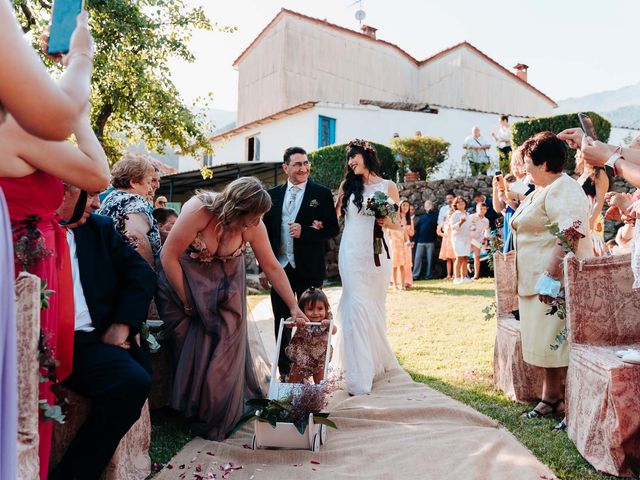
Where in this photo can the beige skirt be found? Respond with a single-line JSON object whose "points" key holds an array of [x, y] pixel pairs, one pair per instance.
{"points": [[538, 333]]}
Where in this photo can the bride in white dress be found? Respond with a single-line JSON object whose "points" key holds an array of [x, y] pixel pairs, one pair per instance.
{"points": [[362, 348]]}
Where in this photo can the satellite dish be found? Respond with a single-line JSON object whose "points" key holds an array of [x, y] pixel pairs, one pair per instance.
{"points": [[360, 15]]}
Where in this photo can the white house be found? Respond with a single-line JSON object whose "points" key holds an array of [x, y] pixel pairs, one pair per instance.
{"points": [[307, 82]]}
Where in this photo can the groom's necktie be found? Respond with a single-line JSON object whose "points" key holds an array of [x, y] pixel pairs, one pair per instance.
{"points": [[291, 204]]}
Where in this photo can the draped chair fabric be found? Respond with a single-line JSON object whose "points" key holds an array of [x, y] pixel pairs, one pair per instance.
{"points": [[603, 418]]}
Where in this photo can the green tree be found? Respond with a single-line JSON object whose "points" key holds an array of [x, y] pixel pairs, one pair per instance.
{"points": [[133, 97]]}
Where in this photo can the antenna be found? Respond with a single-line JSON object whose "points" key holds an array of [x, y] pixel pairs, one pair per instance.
{"points": [[360, 13]]}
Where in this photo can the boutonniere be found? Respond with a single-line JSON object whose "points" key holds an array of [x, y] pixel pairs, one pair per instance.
{"points": [[314, 203]]}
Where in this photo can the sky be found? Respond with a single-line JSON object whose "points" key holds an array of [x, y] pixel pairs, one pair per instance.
{"points": [[573, 47]]}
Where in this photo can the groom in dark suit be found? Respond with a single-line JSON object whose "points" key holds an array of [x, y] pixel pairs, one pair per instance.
{"points": [[112, 288], [302, 218]]}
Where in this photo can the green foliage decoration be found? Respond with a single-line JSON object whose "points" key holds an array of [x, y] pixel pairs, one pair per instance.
{"points": [[327, 164], [422, 154], [521, 131]]}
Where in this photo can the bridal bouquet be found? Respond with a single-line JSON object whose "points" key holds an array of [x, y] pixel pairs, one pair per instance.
{"points": [[379, 205]]}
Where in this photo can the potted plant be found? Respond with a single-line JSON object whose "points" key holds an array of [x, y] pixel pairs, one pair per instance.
{"points": [[296, 421], [421, 155]]}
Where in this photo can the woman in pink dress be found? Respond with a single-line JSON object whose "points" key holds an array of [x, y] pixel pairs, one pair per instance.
{"points": [[447, 254]]}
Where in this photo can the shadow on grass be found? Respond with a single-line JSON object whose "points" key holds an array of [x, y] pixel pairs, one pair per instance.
{"points": [[553, 449]]}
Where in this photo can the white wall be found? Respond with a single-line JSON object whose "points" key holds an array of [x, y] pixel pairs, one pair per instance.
{"points": [[363, 121], [619, 136], [379, 125], [299, 129]]}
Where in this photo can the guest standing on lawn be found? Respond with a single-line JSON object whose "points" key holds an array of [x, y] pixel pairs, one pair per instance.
{"points": [[558, 199], [425, 239], [447, 254], [460, 239], [401, 248]]}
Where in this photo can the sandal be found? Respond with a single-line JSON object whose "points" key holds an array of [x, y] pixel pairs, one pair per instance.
{"points": [[560, 427], [535, 413]]}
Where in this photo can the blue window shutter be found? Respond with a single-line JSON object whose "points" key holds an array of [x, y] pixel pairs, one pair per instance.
{"points": [[326, 131], [332, 131]]}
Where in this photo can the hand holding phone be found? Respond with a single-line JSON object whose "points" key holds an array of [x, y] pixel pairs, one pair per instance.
{"points": [[69, 28], [587, 126], [500, 180]]}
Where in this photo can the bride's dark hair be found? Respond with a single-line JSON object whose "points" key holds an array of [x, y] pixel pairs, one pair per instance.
{"points": [[354, 184]]}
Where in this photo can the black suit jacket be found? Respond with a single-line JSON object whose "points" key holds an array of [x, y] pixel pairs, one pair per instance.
{"points": [[118, 283], [309, 249]]}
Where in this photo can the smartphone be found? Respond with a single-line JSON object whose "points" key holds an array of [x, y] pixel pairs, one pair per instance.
{"points": [[63, 23], [500, 178], [587, 126]]}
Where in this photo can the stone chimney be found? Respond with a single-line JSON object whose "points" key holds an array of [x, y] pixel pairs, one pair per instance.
{"points": [[521, 71], [368, 30]]}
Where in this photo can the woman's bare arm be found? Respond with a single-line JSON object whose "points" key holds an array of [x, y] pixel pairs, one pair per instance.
{"points": [[43, 107], [84, 165]]}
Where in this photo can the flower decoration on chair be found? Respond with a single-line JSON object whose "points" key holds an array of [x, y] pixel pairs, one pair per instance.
{"points": [[568, 239], [28, 243]]}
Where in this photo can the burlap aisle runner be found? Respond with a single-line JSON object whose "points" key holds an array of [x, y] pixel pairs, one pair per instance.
{"points": [[402, 430]]}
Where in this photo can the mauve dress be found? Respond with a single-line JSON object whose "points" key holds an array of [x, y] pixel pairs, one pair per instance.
{"points": [[8, 354], [213, 369]]}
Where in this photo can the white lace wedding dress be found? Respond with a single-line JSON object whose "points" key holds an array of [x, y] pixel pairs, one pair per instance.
{"points": [[362, 349]]}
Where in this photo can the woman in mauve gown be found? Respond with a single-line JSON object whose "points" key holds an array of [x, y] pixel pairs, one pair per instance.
{"points": [[202, 299]]}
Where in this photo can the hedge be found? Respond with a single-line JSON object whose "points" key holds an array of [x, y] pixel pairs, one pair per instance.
{"points": [[327, 164], [521, 131]]}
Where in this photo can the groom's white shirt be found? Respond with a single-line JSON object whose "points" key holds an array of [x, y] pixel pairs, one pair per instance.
{"points": [[289, 214]]}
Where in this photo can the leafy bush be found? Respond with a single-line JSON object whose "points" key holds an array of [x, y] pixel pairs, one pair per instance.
{"points": [[421, 154], [327, 164], [521, 131]]}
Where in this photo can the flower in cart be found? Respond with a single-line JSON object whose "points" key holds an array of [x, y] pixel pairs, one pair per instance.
{"points": [[305, 399]]}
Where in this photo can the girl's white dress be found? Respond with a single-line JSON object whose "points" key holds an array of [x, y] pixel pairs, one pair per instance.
{"points": [[362, 348], [460, 234]]}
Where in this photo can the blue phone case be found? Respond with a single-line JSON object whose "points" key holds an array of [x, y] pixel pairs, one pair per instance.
{"points": [[63, 24]]}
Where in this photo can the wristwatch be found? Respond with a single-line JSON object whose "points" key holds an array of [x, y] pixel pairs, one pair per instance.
{"points": [[610, 164]]}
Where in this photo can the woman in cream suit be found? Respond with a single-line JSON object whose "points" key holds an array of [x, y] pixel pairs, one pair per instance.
{"points": [[557, 199]]}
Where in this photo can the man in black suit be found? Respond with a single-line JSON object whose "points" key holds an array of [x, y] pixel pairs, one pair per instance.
{"points": [[302, 218], [112, 288]]}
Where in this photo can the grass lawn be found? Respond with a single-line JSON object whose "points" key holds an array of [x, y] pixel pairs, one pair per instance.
{"points": [[439, 334], [440, 337]]}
